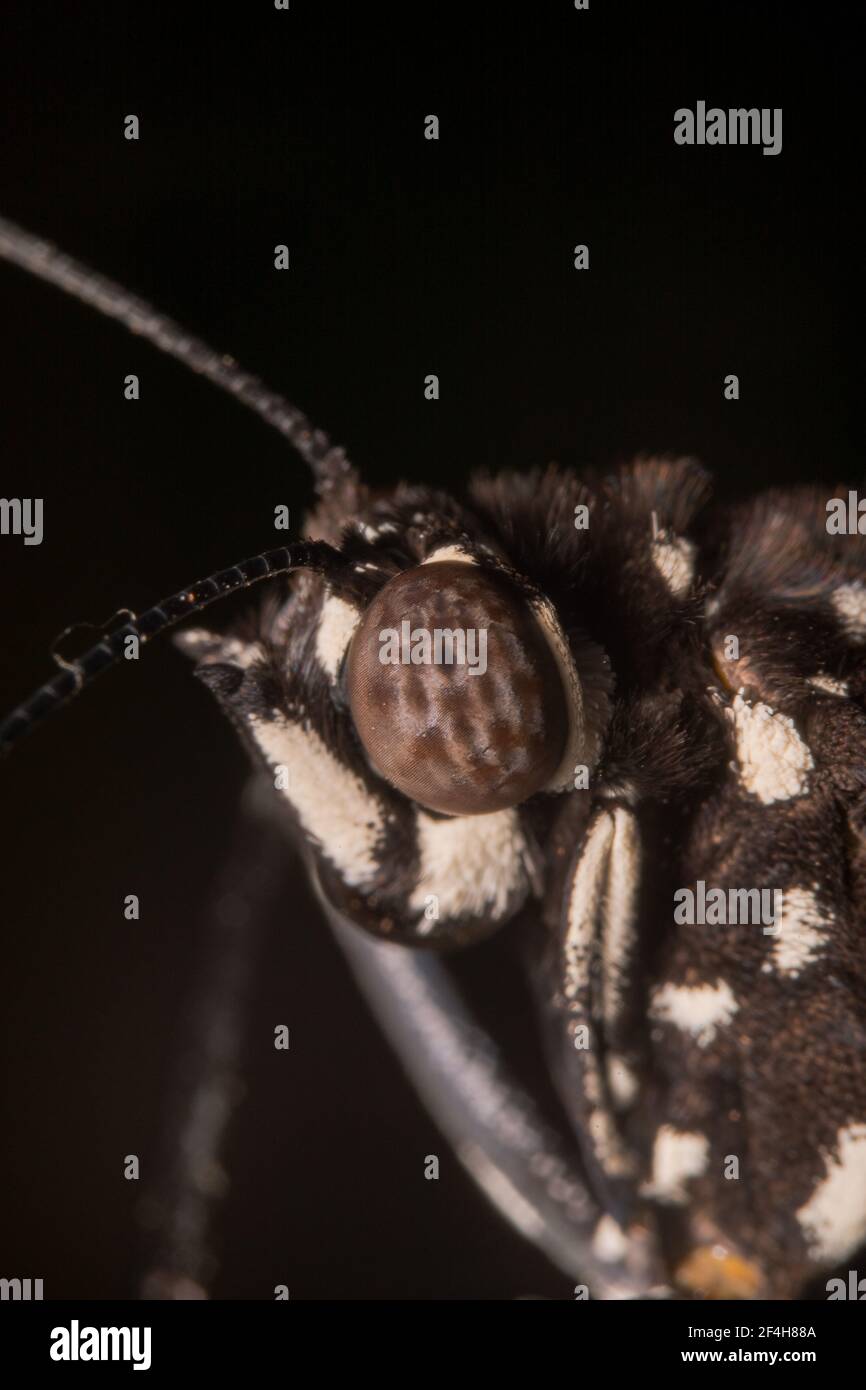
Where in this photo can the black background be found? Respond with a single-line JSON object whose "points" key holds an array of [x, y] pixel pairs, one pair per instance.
{"points": [[407, 257]]}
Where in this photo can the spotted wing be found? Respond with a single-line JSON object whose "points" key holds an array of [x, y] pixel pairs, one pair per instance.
{"points": [[760, 1026], [715, 1070]]}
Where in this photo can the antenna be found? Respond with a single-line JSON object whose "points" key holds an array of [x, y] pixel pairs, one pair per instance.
{"points": [[75, 675], [49, 263]]}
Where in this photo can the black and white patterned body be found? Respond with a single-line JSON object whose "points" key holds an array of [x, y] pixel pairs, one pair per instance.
{"points": [[714, 1073]]}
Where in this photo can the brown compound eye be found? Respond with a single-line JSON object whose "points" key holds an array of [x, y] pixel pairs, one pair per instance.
{"points": [[455, 692]]}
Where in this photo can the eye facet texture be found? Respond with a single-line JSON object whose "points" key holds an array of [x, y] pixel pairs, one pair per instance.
{"points": [[454, 690]]}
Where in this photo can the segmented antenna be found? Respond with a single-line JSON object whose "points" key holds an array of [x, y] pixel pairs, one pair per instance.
{"points": [[47, 262], [313, 555]]}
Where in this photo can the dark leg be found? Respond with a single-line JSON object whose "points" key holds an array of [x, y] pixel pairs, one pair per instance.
{"points": [[179, 1213]]}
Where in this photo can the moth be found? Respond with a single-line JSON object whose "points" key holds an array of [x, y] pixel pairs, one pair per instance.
{"points": [[672, 704]]}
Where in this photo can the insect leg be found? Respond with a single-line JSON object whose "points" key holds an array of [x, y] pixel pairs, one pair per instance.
{"points": [[179, 1213], [517, 1160]]}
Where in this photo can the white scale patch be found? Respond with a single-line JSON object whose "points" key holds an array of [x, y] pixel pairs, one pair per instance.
{"points": [[604, 885], [849, 601], [609, 1149], [799, 935], [674, 558], [333, 805], [829, 685], [677, 1156], [833, 1221], [774, 761], [619, 791], [603, 891], [450, 552], [622, 1082], [218, 648], [472, 864], [620, 912], [372, 533], [587, 889], [337, 624], [609, 1241], [699, 1010]]}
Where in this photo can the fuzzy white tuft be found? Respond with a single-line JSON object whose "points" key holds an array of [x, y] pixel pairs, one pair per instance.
{"points": [[849, 601], [450, 552], [472, 864], [333, 805], [774, 761], [677, 1156], [829, 685], [800, 934], [674, 558], [833, 1221], [699, 1010], [336, 629]]}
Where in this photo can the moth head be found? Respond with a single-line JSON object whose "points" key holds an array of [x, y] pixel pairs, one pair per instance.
{"points": [[458, 689]]}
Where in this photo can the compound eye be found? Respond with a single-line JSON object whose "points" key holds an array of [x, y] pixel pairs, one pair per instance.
{"points": [[455, 692]]}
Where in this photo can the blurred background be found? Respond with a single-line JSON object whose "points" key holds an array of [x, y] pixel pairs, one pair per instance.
{"points": [[408, 257]]}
